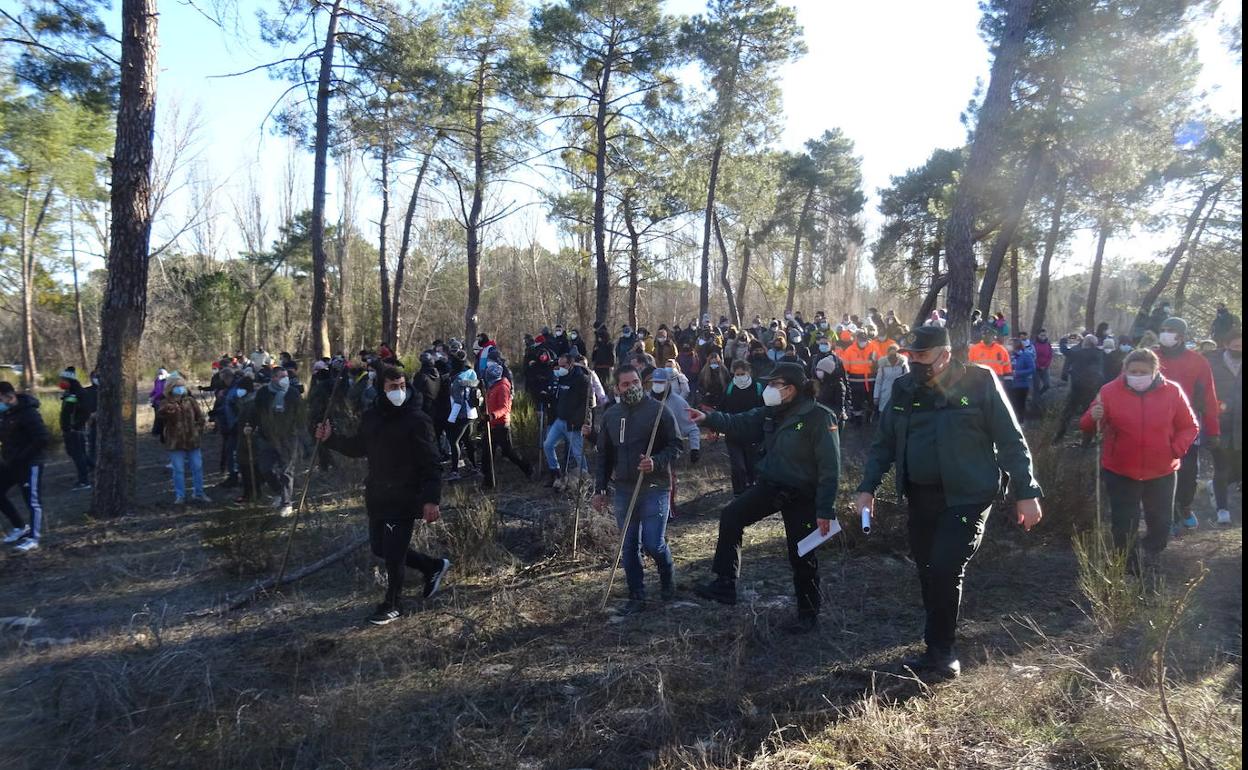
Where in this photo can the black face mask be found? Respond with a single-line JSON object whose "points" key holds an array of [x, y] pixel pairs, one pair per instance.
{"points": [[923, 373]]}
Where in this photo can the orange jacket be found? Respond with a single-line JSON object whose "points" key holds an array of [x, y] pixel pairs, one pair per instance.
{"points": [[880, 348], [859, 362], [993, 356]]}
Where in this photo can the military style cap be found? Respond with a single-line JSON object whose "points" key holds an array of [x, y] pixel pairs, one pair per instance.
{"points": [[790, 372], [925, 338]]}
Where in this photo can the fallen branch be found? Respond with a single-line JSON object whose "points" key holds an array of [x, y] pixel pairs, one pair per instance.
{"points": [[246, 597]]}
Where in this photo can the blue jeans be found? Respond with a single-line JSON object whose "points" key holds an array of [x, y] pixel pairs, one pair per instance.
{"points": [[178, 459], [647, 529], [559, 430]]}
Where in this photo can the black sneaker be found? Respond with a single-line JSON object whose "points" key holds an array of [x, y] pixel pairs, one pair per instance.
{"points": [[636, 603], [720, 590], [938, 665], [385, 614], [553, 480], [667, 591], [433, 582], [804, 624]]}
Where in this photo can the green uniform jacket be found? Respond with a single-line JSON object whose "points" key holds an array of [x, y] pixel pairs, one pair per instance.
{"points": [[801, 448], [976, 433]]}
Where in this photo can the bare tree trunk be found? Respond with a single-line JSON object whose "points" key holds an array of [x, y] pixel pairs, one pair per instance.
{"points": [[930, 300], [797, 249], [124, 312], [1180, 291], [1014, 326], [723, 274], [320, 277], [342, 251], [383, 262], [73, 265], [704, 290], [746, 257], [634, 259], [1009, 227], [474, 216], [1146, 304], [1046, 261], [985, 154], [602, 297], [400, 265], [1104, 230]]}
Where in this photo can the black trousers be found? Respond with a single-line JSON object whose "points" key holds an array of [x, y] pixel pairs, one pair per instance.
{"points": [[1077, 403], [741, 461], [1185, 484], [1126, 497], [460, 437], [943, 539], [755, 504], [1018, 400], [1228, 468], [500, 439], [76, 448], [391, 540]]}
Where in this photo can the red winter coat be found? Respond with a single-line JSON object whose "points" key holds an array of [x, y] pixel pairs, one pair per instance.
{"points": [[1145, 434], [1044, 354], [1191, 371], [498, 403]]}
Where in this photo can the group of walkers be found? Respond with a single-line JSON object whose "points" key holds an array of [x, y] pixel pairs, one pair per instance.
{"points": [[780, 393]]}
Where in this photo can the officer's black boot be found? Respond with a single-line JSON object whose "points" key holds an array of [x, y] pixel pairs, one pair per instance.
{"points": [[721, 589], [935, 664]]}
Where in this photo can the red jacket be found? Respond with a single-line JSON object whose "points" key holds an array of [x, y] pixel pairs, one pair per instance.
{"points": [[1145, 434], [1044, 354], [1191, 371], [498, 403]]}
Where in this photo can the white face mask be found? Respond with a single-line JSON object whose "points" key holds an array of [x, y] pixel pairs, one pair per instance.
{"points": [[396, 397], [742, 380], [1139, 382], [1168, 339], [658, 388], [714, 366], [771, 396]]}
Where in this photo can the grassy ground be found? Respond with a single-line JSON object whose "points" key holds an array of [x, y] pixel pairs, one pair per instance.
{"points": [[517, 666]]}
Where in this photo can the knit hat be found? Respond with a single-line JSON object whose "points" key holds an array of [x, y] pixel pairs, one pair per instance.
{"points": [[69, 373], [1176, 325], [493, 373]]}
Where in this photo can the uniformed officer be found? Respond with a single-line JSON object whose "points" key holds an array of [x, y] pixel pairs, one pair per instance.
{"points": [[797, 475], [950, 433]]}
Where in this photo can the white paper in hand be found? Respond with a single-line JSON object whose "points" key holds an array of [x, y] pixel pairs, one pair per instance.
{"points": [[816, 539]]}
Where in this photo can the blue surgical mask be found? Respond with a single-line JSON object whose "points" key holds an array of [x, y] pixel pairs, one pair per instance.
{"points": [[179, 390], [239, 392], [4, 407]]}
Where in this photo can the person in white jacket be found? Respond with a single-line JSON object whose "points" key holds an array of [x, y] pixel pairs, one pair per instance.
{"points": [[889, 370], [680, 383]]}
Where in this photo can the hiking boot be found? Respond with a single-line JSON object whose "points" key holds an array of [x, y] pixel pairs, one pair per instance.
{"points": [[636, 603], [1224, 518], [721, 589], [667, 586], [1190, 521], [554, 480], [29, 544], [433, 582], [385, 614], [803, 624], [17, 533], [935, 664]]}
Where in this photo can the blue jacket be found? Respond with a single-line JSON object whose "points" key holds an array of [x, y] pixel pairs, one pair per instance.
{"points": [[1024, 364]]}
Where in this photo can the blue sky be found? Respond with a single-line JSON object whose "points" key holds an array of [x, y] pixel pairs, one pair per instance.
{"points": [[895, 75]]}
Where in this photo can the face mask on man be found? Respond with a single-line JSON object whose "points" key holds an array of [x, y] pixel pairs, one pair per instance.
{"points": [[1168, 339], [574, 335], [239, 392], [558, 332], [561, 372], [179, 390], [281, 385], [397, 397], [772, 396], [658, 388], [632, 395], [824, 347], [4, 407], [742, 380], [1139, 382], [924, 373]]}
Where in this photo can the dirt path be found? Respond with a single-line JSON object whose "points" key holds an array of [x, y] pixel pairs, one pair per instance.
{"points": [[513, 667]]}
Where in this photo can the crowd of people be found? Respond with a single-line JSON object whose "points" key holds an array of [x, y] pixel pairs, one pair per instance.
{"points": [[780, 392]]}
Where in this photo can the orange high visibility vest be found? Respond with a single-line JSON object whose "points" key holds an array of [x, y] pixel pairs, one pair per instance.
{"points": [[993, 356], [858, 362], [880, 348]]}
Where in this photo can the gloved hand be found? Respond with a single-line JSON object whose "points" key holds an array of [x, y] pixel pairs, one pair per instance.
{"points": [[694, 456]]}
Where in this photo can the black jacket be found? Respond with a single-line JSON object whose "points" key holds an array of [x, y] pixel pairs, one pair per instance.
{"points": [[572, 398], [76, 408], [737, 400], [624, 437], [404, 465], [428, 383], [23, 436]]}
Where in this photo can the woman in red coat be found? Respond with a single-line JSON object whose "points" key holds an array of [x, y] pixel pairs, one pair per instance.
{"points": [[1148, 426]]}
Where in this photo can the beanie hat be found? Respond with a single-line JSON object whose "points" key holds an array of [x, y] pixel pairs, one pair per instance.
{"points": [[1177, 325], [69, 373]]}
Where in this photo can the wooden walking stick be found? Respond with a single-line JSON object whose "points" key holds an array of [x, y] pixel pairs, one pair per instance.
{"points": [[619, 552], [294, 524]]}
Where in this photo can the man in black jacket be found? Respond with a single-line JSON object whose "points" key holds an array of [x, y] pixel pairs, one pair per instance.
{"points": [[428, 383], [404, 483], [75, 414], [1086, 367], [572, 410], [23, 439]]}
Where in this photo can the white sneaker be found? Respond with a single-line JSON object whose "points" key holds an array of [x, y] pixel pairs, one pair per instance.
{"points": [[29, 544], [286, 511], [17, 533], [1224, 518]]}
